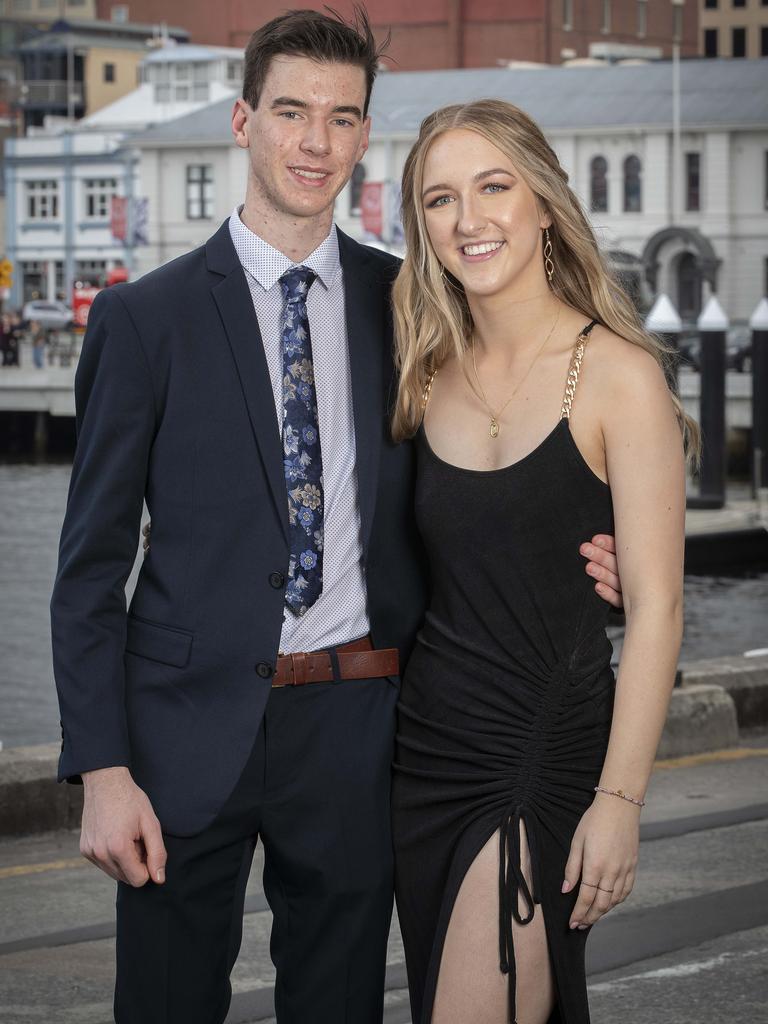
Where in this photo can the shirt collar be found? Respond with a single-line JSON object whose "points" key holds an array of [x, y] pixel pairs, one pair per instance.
{"points": [[266, 265]]}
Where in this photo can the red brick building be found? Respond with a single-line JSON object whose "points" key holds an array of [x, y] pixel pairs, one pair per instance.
{"points": [[450, 33]]}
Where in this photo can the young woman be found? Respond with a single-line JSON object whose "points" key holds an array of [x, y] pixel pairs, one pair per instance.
{"points": [[542, 416]]}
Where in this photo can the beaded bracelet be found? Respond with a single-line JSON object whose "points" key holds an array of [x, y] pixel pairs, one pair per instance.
{"points": [[622, 794]]}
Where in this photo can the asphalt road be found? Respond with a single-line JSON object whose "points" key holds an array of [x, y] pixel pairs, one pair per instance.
{"points": [[689, 947]]}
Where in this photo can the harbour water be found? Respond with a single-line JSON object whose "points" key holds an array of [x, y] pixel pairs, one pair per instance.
{"points": [[722, 616]]}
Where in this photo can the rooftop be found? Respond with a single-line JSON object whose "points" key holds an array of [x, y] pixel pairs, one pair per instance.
{"points": [[713, 93]]}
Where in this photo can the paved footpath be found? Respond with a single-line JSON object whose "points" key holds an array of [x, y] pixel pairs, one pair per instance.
{"points": [[690, 946]]}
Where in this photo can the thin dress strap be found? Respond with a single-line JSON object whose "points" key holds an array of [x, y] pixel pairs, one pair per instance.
{"points": [[573, 371]]}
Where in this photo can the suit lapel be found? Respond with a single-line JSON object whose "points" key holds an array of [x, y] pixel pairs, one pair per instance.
{"points": [[364, 298], [235, 305]]}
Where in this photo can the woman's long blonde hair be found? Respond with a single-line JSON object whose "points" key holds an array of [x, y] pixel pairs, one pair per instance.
{"points": [[432, 315]]}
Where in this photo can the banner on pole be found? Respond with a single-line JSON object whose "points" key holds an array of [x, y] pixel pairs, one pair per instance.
{"points": [[119, 218], [372, 207]]}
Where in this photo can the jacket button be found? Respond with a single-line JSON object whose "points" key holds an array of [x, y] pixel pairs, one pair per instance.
{"points": [[264, 669], [276, 580]]}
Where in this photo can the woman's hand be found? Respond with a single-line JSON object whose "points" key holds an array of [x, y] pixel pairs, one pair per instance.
{"points": [[145, 533], [604, 856]]}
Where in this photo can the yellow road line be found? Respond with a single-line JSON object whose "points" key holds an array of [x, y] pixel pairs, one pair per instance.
{"points": [[731, 754], [38, 869]]}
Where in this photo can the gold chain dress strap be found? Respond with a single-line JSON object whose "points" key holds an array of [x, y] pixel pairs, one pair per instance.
{"points": [[574, 370]]}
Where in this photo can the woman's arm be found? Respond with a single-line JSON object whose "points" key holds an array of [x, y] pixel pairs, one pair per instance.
{"points": [[646, 471]]}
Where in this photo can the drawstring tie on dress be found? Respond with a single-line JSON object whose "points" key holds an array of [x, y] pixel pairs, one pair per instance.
{"points": [[512, 883]]}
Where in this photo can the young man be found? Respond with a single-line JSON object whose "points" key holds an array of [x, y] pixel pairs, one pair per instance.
{"points": [[276, 561]]}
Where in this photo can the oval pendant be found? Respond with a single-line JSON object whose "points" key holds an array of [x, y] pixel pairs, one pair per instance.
{"points": [[494, 429]]}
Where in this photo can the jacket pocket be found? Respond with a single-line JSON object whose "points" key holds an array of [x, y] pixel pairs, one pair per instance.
{"points": [[165, 644]]}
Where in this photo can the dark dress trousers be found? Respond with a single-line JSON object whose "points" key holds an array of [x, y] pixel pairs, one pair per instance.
{"points": [[175, 407]]}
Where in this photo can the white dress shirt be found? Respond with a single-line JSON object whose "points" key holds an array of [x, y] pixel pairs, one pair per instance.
{"points": [[340, 613]]}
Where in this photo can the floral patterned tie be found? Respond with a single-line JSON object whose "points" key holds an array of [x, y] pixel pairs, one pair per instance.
{"points": [[301, 446]]}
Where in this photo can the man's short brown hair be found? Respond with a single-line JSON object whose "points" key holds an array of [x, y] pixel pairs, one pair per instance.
{"points": [[322, 37]]}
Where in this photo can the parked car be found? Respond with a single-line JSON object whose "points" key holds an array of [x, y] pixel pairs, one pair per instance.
{"points": [[738, 349], [689, 348], [49, 313]]}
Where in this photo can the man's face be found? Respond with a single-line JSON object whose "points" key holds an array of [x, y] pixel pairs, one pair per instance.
{"points": [[305, 135]]}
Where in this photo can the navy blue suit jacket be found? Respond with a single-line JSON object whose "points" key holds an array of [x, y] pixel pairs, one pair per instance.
{"points": [[175, 406]]}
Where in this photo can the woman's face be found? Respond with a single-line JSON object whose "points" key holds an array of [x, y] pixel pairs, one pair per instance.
{"points": [[483, 220]]}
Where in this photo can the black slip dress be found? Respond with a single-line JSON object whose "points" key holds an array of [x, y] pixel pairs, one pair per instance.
{"points": [[506, 704]]}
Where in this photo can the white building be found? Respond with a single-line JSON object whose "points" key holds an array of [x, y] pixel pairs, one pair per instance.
{"points": [[611, 127], [59, 185]]}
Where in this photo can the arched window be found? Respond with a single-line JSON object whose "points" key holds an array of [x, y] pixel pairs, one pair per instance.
{"points": [[598, 184], [633, 185]]}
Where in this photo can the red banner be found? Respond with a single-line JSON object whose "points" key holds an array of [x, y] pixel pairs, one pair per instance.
{"points": [[82, 299], [372, 207], [119, 217]]}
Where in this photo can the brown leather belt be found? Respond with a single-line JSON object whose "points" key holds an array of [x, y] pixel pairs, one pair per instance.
{"points": [[356, 660]]}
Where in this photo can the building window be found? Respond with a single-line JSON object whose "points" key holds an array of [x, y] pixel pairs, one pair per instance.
{"points": [[42, 200], [642, 18], [47, 3], [764, 41], [710, 5], [633, 188], [598, 185], [91, 272], [738, 42], [119, 14], [739, 3], [692, 181], [199, 191], [162, 93], [98, 194], [356, 190], [109, 72], [75, 3], [234, 70], [181, 94], [605, 28], [710, 42], [567, 15], [183, 71]]}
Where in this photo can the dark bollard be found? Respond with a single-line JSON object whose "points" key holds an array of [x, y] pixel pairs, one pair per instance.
{"points": [[759, 325], [712, 325], [664, 321]]}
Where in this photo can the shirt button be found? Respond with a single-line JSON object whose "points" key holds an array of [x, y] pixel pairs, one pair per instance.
{"points": [[276, 580], [264, 669]]}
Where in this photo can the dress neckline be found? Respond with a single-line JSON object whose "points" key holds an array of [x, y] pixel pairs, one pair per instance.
{"points": [[561, 427]]}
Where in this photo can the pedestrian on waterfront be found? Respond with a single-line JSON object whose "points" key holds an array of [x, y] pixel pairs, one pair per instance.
{"points": [[39, 338], [242, 391], [541, 414], [9, 343]]}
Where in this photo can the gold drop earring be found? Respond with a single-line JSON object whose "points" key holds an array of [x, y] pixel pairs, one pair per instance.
{"points": [[549, 266]]}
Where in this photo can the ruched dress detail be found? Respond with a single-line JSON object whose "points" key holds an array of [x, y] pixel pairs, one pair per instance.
{"points": [[506, 704]]}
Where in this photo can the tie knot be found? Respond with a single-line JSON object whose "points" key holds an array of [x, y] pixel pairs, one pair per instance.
{"points": [[295, 283]]}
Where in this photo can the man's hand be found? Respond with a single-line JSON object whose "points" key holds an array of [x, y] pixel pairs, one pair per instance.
{"points": [[120, 833], [604, 568]]}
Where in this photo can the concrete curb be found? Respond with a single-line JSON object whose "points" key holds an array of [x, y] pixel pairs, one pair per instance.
{"points": [[716, 698], [31, 800], [745, 679], [701, 717]]}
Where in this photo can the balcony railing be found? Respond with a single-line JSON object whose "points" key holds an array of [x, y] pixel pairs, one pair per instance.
{"points": [[52, 93]]}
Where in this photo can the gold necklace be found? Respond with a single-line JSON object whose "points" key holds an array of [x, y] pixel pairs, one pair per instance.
{"points": [[495, 416]]}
